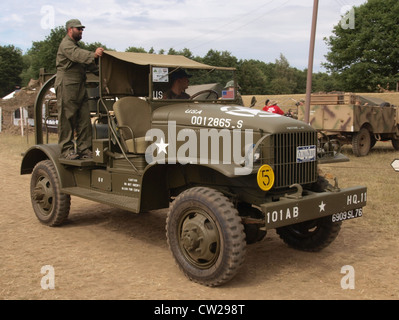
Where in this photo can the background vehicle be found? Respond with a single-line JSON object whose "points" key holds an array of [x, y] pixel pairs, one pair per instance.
{"points": [[227, 173], [354, 119]]}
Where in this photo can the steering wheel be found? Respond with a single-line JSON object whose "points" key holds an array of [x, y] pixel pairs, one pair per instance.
{"points": [[195, 95]]}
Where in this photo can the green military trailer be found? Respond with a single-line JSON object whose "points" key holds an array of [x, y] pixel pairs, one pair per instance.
{"points": [[347, 118], [225, 173]]}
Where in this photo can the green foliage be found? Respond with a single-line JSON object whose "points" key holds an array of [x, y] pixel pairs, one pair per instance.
{"points": [[322, 82], [93, 46], [11, 65], [219, 58], [284, 81], [368, 55], [251, 78], [135, 49], [43, 53]]}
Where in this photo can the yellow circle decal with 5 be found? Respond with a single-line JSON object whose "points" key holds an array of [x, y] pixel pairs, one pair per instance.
{"points": [[265, 177]]}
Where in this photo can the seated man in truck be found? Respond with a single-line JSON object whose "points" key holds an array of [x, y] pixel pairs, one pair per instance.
{"points": [[179, 83]]}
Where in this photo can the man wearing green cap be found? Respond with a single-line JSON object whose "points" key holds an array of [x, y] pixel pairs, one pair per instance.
{"points": [[73, 110]]}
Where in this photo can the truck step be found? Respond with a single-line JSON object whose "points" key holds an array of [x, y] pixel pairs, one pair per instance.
{"points": [[113, 200], [78, 162]]}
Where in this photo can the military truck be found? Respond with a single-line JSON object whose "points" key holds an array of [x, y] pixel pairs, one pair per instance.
{"points": [[347, 118], [224, 173]]}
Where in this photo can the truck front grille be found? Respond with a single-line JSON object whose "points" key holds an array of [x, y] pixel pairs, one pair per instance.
{"points": [[286, 167]]}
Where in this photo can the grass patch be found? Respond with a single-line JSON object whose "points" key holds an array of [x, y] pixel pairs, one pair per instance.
{"points": [[16, 144]]}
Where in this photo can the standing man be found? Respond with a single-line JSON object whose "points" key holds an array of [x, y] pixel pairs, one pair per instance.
{"points": [[73, 110]]}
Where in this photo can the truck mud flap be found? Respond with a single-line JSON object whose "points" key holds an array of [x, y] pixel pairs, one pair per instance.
{"points": [[342, 205]]}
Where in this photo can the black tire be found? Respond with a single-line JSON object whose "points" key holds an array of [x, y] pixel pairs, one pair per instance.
{"points": [[312, 236], [395, 144], [361, 143], [206, 236], [50, 205]]}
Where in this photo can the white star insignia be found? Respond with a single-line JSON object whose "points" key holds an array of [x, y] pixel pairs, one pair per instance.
{"points": [[162, 146], [322, 206], [97, 152]]}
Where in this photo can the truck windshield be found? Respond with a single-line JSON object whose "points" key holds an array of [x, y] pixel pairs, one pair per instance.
{"points": [[192, 84]]}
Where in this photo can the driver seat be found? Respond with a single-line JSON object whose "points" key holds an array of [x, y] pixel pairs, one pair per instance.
{"points": [[133, 116]]}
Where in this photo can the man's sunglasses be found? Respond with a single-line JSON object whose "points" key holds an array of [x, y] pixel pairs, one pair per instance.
{"points": [[80, 28]]}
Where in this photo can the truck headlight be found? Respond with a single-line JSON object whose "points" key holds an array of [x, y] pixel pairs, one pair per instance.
{"points": [[254, 154]]}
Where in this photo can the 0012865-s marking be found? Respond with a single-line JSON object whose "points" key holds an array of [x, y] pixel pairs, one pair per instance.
{"points": [[215, 122]]}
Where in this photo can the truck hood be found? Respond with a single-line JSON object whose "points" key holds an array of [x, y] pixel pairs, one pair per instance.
{"points": [[226, 117]]}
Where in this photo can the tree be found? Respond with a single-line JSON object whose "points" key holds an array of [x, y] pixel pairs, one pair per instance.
{"points": [[284, 77], [11, 65], [252, 78], [367, 54], [135, 49], [323, 82], [43, 53], [185, 52], [93, 46], [220, 59]]}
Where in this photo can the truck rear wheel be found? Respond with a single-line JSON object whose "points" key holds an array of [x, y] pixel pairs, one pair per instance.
{"points": [[206, 236], [312, 235], [50, 205], [361, 143]]}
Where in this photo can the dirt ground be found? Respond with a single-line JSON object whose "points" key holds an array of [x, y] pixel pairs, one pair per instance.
{"points": [[107, 253]]}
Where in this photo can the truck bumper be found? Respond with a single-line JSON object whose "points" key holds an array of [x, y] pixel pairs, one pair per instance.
{"points": [[341, 205]]}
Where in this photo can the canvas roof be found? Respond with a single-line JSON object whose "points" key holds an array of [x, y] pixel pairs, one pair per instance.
{"points": [[160, 60]]}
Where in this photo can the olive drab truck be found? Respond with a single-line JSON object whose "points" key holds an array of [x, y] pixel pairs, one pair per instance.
{"points": [[225, 174], [346, 118]]}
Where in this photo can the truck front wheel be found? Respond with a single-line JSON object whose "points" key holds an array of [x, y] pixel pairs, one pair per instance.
{"points": [[206, 236], [50, 205], [312, 235]]}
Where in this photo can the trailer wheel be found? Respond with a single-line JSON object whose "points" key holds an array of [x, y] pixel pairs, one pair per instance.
{"points": [[50, 205], [361, 142], [206, 236], [312, 235], [395, 144]]}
